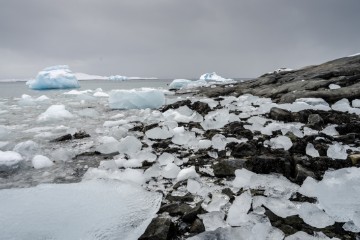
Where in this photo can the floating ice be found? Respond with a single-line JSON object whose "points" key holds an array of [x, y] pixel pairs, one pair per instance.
{"points": [[159, 133], [136, 99], [187, 173], [40, 161], [237, 214], [177, 84], [183, 114], [27, 149], [53, 78], [311, 151], [9, 158], [107, 145], [61, 154], [283, 142], [55, 113], [337, 193], [337, 151], [130, 145], [334, 86], [313, 216], [118, 78], [213, 77], [86, 210]]}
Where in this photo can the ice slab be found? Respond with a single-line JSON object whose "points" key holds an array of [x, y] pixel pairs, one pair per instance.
{"points": [[136, 99], [95, 209], [314, 216], [283, 142], [337, 193], [55, 77]]}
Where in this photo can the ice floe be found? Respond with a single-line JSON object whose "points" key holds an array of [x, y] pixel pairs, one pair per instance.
{"points": [[136, 99]]}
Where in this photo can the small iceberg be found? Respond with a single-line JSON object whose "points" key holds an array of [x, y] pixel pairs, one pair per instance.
{"points": [[213, 77], [56, 77], [136, 99], [179, 84], [118, 78]]}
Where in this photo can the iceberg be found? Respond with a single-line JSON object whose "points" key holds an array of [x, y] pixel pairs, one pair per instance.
{"points": [[177, 84], [136, 99], [56, 77], [94, 209], [213, 77], [118, 78]]}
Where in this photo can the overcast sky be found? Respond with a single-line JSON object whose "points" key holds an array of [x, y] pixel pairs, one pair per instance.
{"points": [[174, 38]]}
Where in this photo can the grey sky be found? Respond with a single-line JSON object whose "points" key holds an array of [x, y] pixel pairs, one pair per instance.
{"points": [[175, 39]]}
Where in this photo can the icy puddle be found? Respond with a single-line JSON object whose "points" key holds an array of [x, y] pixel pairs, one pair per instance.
{"points": [[91, 209]]}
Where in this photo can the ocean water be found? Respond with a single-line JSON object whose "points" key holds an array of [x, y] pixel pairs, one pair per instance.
{"points": [[16, 89]]}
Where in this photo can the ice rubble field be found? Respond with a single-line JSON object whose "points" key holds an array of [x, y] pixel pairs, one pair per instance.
{"points": [[27, 125]]}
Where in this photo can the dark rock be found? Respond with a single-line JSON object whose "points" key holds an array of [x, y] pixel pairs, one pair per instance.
{"points": [[236, 129], [81, 135], [197, 226], [353, 127], [301, 173], [186, 198], [201, 107], [243, 150], [229, 193], [176, 105], [265, 164], [280, 114], [159, 229], [315, 121], [190, 215], [226, 168], [175, 209], [62, 138]]}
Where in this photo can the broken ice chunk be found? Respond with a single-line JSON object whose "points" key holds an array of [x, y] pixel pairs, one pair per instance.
{"points": [[216, 119], [187, 173], [219, 142], [337, 151], [237, 214], [313, 216], [218, 200], [55, 113], [213, 220], [193, 186], [159, 133], [283, 142], [40, 161], [311, 151], [130, 145], [107, 145], [170, 171]]}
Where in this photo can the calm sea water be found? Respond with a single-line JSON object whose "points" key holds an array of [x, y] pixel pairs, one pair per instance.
{"points": [[16, 89]]}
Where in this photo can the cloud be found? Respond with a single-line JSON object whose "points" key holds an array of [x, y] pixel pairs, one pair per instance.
{"points": [[236, 38]]}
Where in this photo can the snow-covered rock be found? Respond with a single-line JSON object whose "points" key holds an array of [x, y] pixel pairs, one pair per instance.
{"points": [[213, 77], [56, 77], [136, 99]]}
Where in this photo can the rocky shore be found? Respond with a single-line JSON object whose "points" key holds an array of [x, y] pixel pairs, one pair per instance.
{"points": [[184, 213]]}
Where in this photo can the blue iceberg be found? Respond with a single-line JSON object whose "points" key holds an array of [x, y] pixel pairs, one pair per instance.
{"points": [[179, 84], [56, 77]]}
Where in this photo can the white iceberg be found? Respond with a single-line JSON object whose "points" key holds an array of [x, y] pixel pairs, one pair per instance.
{"points": [[136, 99], [213, 77], [118, 78], [87, 210], [56, 77]]}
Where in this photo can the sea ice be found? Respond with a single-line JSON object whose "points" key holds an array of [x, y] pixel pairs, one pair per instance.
{"points": [[177, 84], [311, 151], [187, 173], [96, 209], [55, 113], [136, 99], [40, 161], [9, 158], [53, 78], [107, 145], [337, 151], [237, 214]]}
